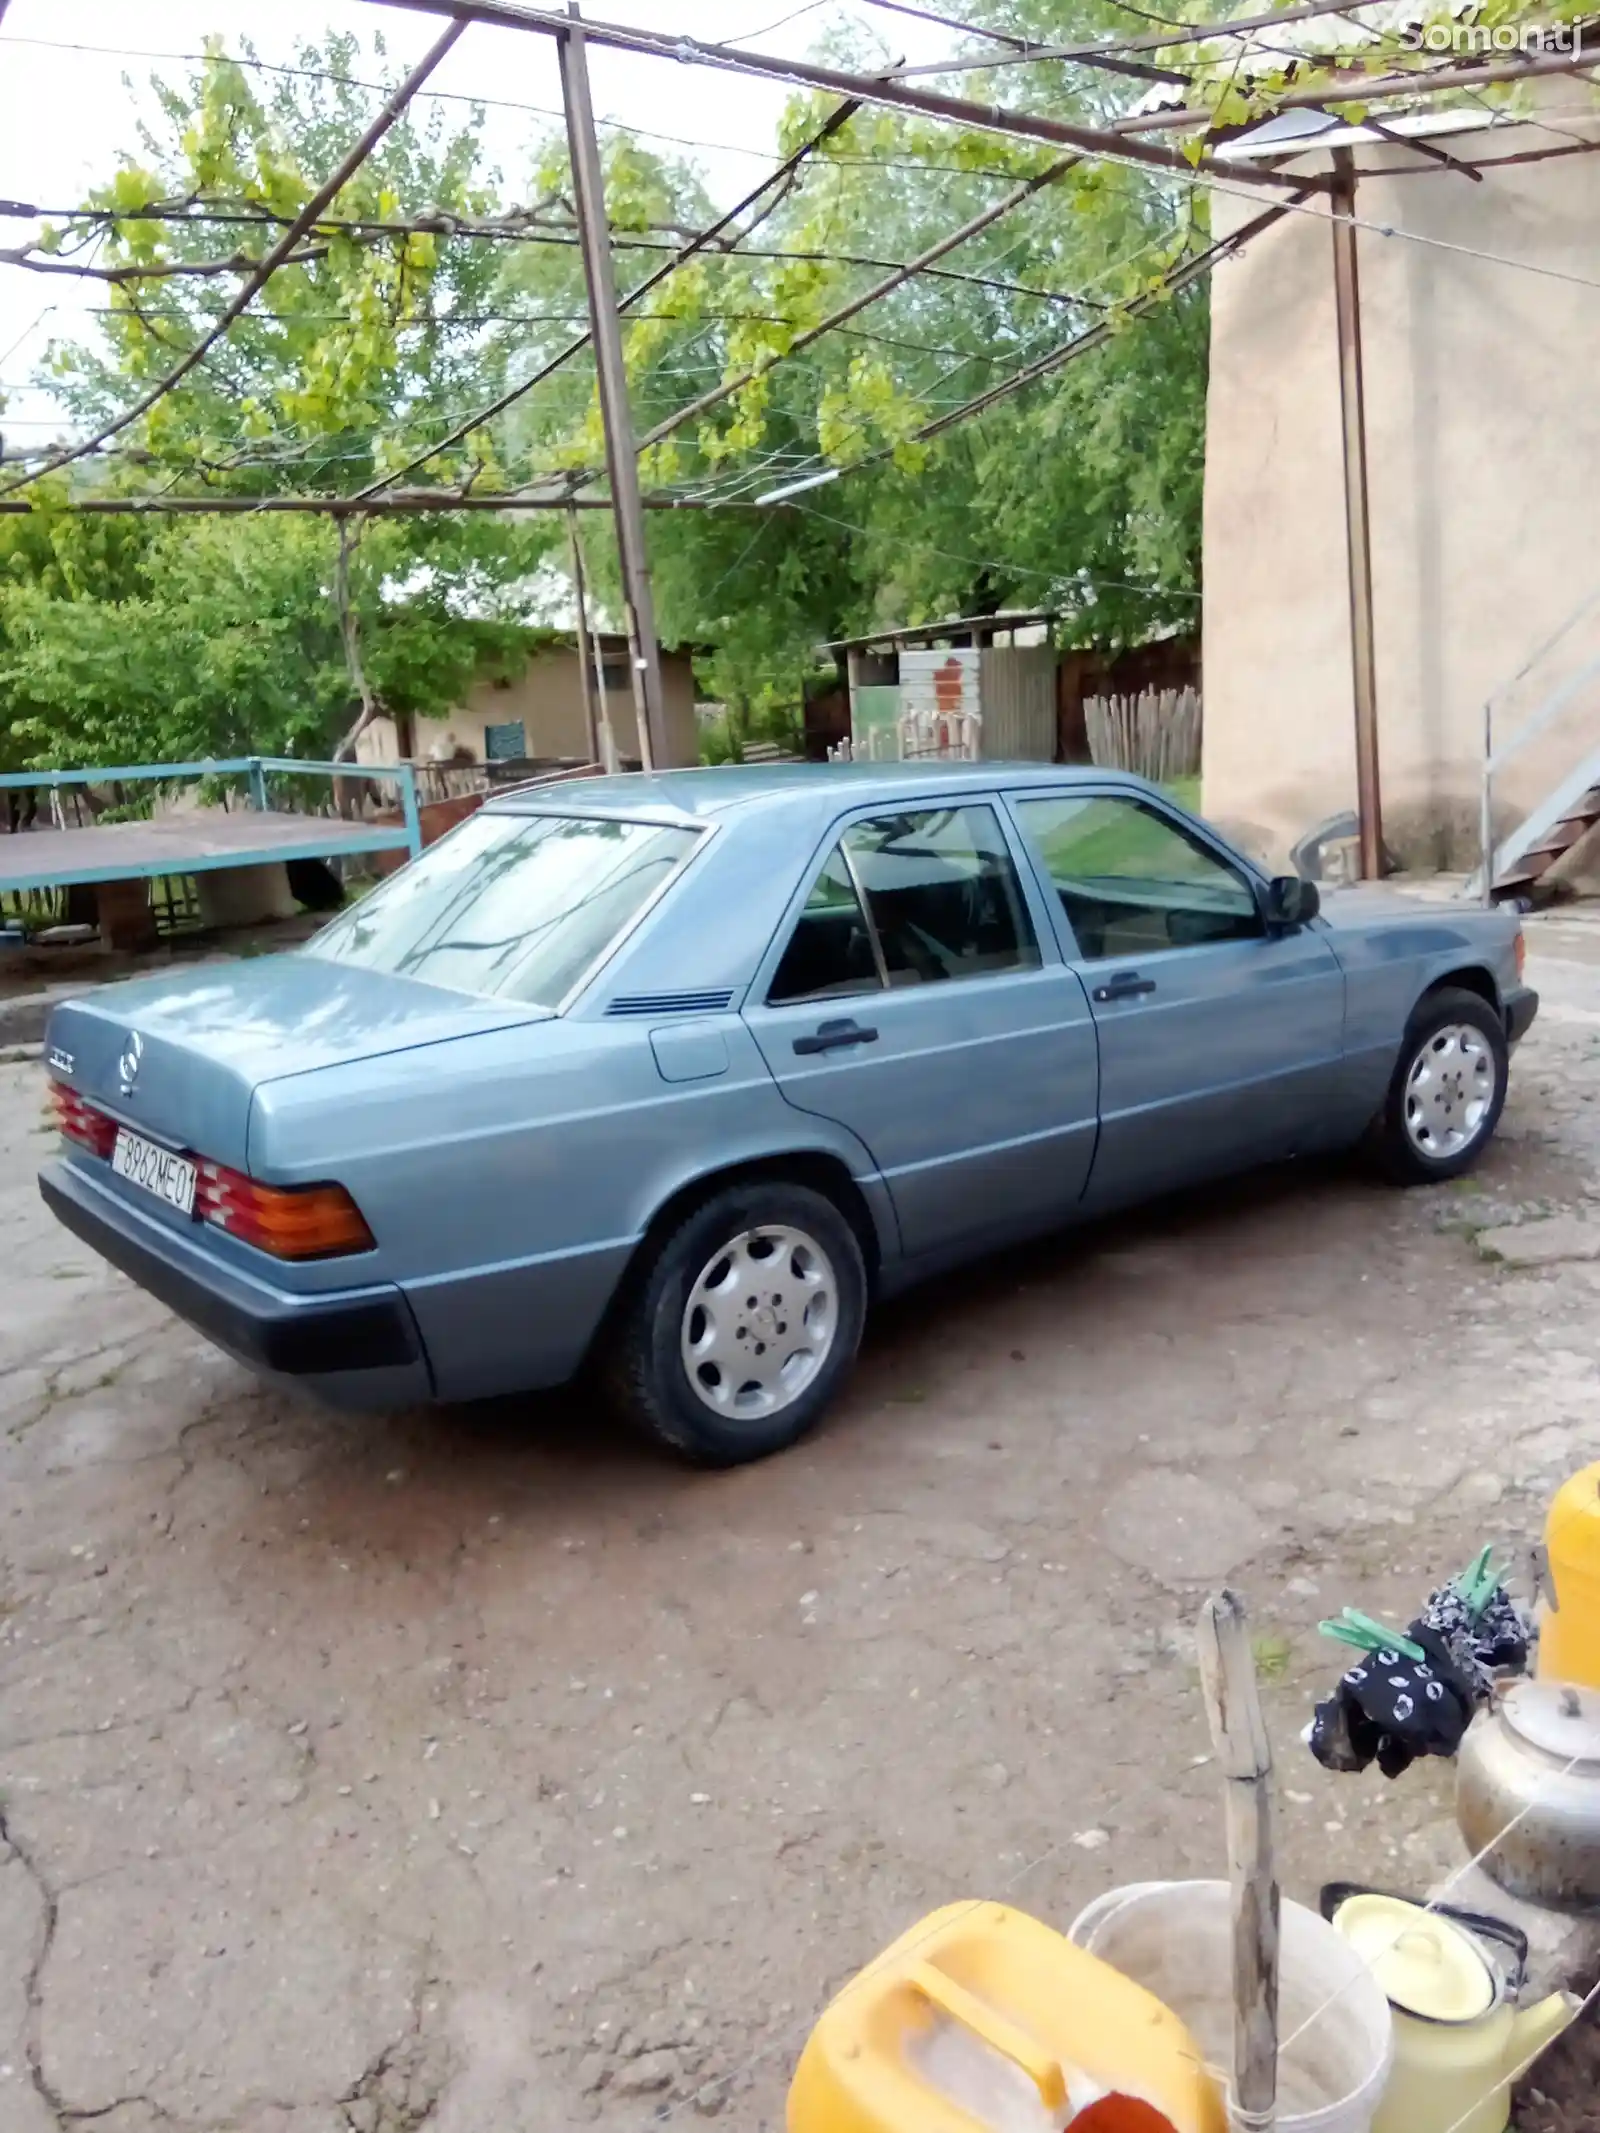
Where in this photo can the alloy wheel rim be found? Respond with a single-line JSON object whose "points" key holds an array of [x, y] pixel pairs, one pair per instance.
{"points": [[1450, 1091], [760, 1321]]}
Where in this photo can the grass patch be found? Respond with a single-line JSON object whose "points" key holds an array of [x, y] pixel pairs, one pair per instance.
{"points": [[1273, 1655]]}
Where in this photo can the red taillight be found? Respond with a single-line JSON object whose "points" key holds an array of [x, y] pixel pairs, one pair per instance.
{"points": [[80, 1122], [298, 1222], [1522, 953]]}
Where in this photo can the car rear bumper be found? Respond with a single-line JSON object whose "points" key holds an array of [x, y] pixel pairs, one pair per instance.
{"points": [[1522, 1004], [357, 1346]]}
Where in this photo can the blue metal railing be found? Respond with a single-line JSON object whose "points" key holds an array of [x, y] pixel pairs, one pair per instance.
{"points": [[253, 768]]}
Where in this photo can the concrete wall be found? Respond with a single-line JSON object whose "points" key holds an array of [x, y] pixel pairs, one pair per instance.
{"points": [[548, 698], [1483, 431]]}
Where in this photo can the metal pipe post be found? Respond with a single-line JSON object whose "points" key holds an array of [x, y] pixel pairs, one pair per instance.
{"points": [[1486, 808], [408, 804], [258, 785], [593, 710], [1357, 519], [622, 462]]}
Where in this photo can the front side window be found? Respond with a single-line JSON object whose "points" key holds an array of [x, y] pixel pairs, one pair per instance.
{"points": [[1133, 882], [909, 899], [515, 907]]}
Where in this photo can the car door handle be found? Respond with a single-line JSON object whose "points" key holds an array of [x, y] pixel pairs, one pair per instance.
{"points": [[1126, 985], [833, 1037]]}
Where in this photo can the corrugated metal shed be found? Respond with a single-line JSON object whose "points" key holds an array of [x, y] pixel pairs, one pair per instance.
{"points": [[1017, 696], [939, 683]]}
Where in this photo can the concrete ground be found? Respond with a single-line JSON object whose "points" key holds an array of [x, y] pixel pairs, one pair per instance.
{"points": [[478, 1770]]}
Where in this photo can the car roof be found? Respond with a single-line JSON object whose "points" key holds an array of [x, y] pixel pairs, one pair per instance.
{"points": [[706, 793]]}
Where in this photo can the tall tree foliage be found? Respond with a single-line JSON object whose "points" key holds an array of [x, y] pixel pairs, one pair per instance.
{"points": [[403, 313], [162, 640], [194, 637], [372, 328]]}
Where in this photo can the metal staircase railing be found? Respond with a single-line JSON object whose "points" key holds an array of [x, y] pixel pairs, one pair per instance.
{"points": [[1558, 805]]}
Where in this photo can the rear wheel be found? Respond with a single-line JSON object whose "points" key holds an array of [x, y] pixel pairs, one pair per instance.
{"points": [[741, 1323], [1448, 1089]]}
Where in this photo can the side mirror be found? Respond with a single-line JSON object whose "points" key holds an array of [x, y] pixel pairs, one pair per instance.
{"points": [[1287, 901]]}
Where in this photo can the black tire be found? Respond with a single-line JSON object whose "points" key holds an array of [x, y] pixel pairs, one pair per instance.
{"points": [[644, 1370], [1402, 1152]]}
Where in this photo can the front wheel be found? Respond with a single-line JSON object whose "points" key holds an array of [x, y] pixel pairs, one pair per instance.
{"points": [[741, 1323], [1448, 1089]]}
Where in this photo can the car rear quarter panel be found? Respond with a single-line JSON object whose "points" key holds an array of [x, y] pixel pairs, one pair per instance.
{"points": [[713, 927], [509, 1177]]}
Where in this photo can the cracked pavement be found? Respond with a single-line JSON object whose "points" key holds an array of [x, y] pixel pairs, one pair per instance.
{"points": [[452, 1772]]}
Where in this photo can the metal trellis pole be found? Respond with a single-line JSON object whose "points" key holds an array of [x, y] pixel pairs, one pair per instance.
{"points": [[621, 459], [1357, 514], [590, 673]]}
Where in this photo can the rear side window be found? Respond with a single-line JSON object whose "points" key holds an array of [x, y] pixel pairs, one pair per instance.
{"points": [[909, 899], [830, 952], [517, 907], [942, 895]]}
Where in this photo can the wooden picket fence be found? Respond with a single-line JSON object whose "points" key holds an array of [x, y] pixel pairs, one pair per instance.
{"points": [[1155, 734]]}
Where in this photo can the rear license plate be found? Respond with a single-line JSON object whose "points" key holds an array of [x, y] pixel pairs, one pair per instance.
{"points": [[155, 1170]]}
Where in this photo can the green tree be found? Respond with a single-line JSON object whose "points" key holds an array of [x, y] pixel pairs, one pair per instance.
{"points": [[372, 335], [219, 637], [1082, 493], [224, 636]]}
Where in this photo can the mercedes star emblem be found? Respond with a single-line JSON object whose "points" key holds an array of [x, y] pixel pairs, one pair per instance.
{"points": [[128, 1064]]}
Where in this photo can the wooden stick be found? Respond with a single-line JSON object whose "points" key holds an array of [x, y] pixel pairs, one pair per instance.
{"points": [[1228, 1677]]}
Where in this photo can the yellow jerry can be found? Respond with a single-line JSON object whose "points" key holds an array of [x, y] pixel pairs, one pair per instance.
{"points": [[981, 2017], [1569, 1631]]}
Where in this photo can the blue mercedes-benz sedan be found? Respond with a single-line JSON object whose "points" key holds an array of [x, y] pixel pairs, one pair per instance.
{"points": [[669, 1076]]}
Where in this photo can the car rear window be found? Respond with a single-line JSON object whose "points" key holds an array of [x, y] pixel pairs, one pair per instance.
{"points": [[517, 907]]}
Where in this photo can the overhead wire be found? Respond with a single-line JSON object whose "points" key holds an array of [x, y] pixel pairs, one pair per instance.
{"points": [[305, 447], [973, 227], [515, 225], [625, 242], [1023, 48], [726, 388], [810, 7], [1080, 344], [883, 89], [836, 118], [1077, 344], [253, 63], [28, 331], [320, 199], [1020, 570], [948, 22], [402, 503], [1211, 182], [1208, 178], [1238, 182], [683, 414], [1364, 89], [1118, 266], [924, 263], [1176, 32], [353, 81], [1017, 48]]}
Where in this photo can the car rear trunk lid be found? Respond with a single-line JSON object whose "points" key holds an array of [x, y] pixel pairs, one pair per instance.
{"points": [[179, 1056]]}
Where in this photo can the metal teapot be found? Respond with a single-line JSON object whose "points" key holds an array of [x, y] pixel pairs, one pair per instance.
{"points": [[1459, 2038], [1528, 1792]]}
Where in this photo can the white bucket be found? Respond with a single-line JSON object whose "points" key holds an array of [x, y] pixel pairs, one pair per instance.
{"points": [[1176, 1939]]}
